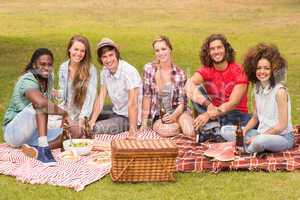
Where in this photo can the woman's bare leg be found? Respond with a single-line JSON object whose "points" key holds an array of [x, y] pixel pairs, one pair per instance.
{"points": [[186, 123]]}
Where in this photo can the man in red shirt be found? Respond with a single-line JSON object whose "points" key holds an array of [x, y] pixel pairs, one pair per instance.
{"points": [[218, 90]]}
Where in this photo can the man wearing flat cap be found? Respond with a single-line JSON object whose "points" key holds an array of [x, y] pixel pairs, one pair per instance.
{"points": [[122, 83]]}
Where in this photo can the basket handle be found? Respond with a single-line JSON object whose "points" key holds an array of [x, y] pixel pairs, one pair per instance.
{"points": [[168, 172], [124, 169]]}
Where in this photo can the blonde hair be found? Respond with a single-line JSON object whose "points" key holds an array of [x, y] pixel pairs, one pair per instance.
{"points": [[162, 38]]}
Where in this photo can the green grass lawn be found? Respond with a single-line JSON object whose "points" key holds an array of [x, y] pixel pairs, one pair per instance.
{"points": [[26, 25]]}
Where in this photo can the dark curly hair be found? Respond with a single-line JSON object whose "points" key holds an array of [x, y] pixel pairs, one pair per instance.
{"points": [[35, 56], [269, 52], [204, 51]]}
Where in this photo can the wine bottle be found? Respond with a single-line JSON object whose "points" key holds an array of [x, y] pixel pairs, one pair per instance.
{"points": [[87, 129]]}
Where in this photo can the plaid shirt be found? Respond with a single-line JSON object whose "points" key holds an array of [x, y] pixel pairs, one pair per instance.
{"points": [[178, 79]]}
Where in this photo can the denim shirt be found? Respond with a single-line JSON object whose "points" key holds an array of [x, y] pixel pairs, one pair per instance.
{"points": [[91, 93]]}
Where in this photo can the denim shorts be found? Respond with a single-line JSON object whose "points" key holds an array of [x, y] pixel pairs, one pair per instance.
{"points": [[23, 129]]}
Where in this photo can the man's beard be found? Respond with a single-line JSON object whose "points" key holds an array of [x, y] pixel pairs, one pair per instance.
{"points": [[219, 62]]}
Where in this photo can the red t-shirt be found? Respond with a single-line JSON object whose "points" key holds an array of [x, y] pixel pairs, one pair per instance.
{"points": [[219, 84]]}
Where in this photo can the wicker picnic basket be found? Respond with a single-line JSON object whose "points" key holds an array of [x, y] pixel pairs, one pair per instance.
{"points": [[143, 160]]}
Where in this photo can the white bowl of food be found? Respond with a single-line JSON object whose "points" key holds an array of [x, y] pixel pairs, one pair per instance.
{"points": [[80, 147]]}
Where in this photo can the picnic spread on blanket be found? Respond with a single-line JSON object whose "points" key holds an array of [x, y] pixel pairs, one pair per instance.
{"points": [[79, 171], [148, 132]]}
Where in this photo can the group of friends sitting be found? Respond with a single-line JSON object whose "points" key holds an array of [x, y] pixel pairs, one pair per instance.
{"points": [[217, 90]]}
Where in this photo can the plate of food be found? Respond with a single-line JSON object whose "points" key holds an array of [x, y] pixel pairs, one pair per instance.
{"points": [[80, 147], [69, 155], [101, 146]]}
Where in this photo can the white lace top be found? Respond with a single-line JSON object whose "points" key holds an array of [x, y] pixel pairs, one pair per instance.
{"points": [[267, 111]]}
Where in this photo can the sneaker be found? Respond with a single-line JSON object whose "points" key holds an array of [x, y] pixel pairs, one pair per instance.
{"points": [[42, 154], [203, 137], [45, 156], [49, 154], [218, 139]]}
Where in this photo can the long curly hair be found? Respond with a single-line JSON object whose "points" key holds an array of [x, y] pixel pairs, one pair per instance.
{"points": [[82, 75], [269, 52], [204, 51]]}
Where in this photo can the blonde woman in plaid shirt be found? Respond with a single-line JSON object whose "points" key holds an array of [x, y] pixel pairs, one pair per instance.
{"points": [[164, 84]]}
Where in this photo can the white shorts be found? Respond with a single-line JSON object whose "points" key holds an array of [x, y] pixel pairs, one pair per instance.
{"points": [[23, 129]]}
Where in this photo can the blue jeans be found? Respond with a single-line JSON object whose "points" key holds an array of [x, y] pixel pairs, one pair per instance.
{"points": [[23, 129], [230, 118], [262, 142]]}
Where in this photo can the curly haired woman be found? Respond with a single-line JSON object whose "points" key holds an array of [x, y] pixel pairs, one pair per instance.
{"points": [[266, 68]]}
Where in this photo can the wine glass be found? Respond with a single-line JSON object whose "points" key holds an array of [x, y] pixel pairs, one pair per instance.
{"points": [[57, 95]]}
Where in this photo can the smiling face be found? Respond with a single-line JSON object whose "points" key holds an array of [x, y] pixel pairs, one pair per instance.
{"points": [[110, 61], [162, 52], [77, 52], [44, 65], [217, 51], [263, 71]]}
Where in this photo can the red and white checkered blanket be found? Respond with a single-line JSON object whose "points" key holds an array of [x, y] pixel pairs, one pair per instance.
{"points": [[73, 174], [77, 174]]}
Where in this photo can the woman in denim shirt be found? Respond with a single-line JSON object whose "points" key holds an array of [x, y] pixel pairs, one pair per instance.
{"points": [[78, 81]]}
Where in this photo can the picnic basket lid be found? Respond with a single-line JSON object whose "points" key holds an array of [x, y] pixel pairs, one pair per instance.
{"points": [[152, 147]]}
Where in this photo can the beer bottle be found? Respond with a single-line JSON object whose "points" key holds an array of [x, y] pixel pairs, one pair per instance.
{"points": [[162, 111], [64, 136], [239, 145], [194, 113], [87, 129]]}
